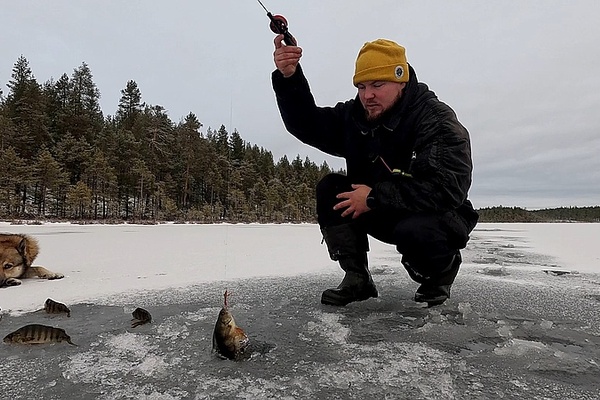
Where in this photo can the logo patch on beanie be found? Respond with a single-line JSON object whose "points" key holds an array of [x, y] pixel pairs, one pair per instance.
{"points": [[399, 72]]}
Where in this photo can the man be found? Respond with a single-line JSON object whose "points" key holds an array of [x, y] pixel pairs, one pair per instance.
{"points": [[408, 164]]}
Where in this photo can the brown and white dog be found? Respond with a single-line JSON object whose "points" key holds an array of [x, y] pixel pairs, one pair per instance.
{"points": [[17, 253]]}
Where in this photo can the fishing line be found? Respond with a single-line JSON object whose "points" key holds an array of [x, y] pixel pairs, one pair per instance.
{"points": [[229, 169], [278, 25]]}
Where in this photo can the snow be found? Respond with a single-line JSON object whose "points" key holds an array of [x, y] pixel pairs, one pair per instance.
{"points": [[573, 245], [101, 260], [509, 331]]}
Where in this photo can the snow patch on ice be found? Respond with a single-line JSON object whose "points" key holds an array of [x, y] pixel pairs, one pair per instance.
{"points": [[130, 343], [144, 392], [201, 315], [245, 387], [415, 370], [407, 370], [121, 354], [173, 329], [327, 326]]}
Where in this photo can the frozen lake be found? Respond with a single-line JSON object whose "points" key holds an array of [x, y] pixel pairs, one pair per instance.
{"points": [[510, 330]]}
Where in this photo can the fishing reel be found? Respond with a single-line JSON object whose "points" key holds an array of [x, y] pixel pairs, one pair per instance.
{"points": [[279, 25]]}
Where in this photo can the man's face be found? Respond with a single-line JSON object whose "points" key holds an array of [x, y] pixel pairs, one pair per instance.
{"points": [[378, 96]]}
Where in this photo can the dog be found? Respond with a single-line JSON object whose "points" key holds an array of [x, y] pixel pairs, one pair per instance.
{"points": [[17, 253]]}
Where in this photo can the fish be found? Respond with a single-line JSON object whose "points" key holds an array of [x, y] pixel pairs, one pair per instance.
{"points": [[38, 334], [140, 317], [54, 307], [229, 340]]}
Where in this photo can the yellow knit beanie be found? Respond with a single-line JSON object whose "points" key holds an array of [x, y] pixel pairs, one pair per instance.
{"points": [[381, 60]]}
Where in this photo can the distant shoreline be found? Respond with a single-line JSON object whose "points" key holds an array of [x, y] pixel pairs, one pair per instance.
{"points": [[517, 214], [487, 214]]}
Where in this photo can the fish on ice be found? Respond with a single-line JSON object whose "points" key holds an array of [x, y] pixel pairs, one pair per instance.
{"points": [[38, 334], [54, 307], [229, 340], [140, 317]]}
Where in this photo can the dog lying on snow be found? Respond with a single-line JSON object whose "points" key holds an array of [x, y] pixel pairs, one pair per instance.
{"points": [[17, 253]]}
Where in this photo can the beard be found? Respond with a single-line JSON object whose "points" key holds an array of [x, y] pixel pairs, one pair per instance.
{"points": [[376, 114]]}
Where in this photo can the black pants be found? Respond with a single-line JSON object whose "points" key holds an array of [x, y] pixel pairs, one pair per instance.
{"points": [[427, 241]]}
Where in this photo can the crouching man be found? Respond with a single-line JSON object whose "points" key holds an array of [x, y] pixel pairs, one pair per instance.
{"points": [[409, 170]]}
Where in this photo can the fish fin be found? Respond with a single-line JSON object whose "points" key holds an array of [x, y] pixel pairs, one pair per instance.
{"points": [[239, 331]]}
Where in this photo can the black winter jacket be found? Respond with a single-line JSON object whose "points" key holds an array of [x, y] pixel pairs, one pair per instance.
{"points": [[416, 159]]}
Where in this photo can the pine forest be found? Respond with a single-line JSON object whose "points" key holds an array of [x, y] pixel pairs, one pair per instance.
{"points": [[65, 160]]}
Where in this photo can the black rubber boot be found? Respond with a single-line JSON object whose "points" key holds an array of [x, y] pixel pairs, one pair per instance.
{"points": [[435, 289], [350, 251], [357, 284]]}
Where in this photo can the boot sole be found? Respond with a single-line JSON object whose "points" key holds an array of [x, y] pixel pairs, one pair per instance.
{"points": [[342, 301], [431, 301]]}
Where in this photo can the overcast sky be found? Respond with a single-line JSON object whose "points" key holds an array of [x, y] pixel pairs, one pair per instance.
{"points": [[523, 76]]}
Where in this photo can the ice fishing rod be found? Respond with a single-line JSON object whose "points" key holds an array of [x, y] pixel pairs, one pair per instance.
{"points": [[279, 25]]}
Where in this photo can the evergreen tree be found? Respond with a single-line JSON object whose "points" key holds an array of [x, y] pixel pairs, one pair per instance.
{"points": [[79, 199], [7, 132], [154, 130], [14, 176], [73, 154], [101, 178], [58, 96], [222, 142], [145, 181], [130, 105], [237, 146], [84, 105], [49, 182], [188, 145], [25, 107]]}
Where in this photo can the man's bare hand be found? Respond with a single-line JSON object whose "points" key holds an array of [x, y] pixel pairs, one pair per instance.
{"points": [[286, 57], [355, 202]]}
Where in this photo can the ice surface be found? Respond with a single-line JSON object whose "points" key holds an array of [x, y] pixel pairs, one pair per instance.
{"points": [[517, 334]]}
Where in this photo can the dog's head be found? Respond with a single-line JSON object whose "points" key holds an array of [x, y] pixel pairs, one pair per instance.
{"points": [[17, 253]]}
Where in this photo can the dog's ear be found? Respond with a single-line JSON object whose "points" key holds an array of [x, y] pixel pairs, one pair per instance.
{"points": [[28, 248], [22, 247]]}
